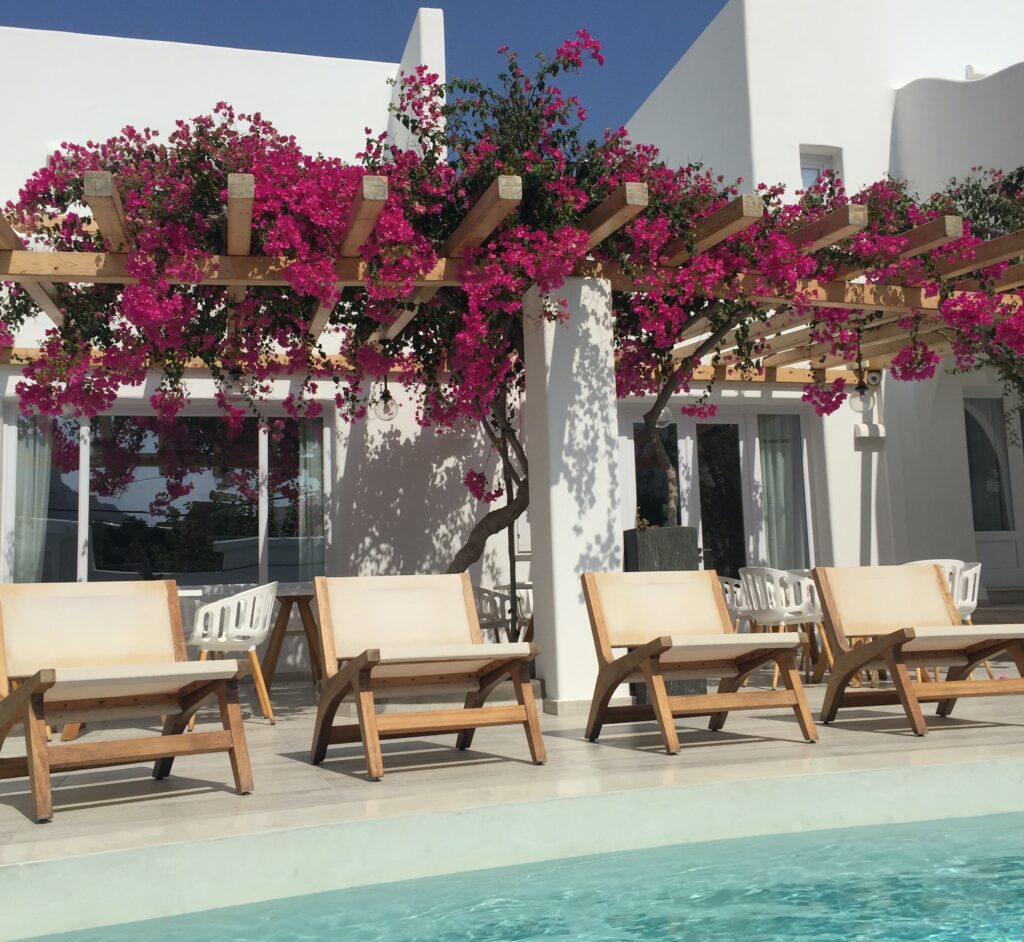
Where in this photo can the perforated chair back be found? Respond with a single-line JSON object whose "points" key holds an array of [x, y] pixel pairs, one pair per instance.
{"points": [[239, 622]]}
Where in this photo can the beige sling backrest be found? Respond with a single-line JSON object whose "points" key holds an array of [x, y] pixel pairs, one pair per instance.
{"points": [[87, 624], [631, 608], [362, 612], [875, 600]]}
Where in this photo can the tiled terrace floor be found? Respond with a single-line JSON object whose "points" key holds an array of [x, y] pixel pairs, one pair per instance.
{"points": [[123, 807]]}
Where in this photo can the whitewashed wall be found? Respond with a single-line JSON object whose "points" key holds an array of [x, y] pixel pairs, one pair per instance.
{"points": [[767, 76], [883, 81], [941, 128], [701, 110], [398, 502]]}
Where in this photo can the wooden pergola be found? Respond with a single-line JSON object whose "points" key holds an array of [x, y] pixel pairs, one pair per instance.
{"points": [[786, 345]]}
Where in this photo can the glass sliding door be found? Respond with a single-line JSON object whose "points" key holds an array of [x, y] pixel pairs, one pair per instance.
{"points": [[296, 500], [46, 500], [782, 491], [652, 498], [995, 467], [743, 486], [988, 462], [176, 501], [720, 479]]}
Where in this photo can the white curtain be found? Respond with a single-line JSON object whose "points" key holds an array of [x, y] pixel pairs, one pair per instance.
{"points": [[784, 498], [32, 497]]}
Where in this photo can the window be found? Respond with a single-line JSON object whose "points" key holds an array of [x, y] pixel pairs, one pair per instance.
{"points": [[181, 501], [814, 161], [988, 463]]}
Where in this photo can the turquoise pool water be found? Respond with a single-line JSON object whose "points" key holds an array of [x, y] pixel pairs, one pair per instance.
{"points": [[937, 881]]}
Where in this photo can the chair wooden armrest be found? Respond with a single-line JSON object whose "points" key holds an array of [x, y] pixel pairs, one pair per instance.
{"points": [[878, 647], [12, 707]]}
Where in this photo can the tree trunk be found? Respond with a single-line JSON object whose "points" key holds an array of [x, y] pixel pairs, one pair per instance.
{"points": [[493, 522]]}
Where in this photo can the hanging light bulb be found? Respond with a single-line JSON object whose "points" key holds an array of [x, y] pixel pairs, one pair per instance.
{"points": [[386, 407], [664, 420]]}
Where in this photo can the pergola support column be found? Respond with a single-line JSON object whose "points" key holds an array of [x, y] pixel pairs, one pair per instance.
{"points": [[571, 431]]}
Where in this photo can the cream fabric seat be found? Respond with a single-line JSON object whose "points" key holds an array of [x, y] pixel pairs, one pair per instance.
{"points": [[677, 624], [77, 652], [395, 636], [904, 617]]}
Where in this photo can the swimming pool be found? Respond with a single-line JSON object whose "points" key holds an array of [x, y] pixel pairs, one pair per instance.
{"points": [[950, 880]]}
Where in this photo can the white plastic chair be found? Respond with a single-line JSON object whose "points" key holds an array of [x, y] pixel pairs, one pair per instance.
{"points": [[735, 600], [777, 598], [953, 570], [237, 623], [965, 595]]}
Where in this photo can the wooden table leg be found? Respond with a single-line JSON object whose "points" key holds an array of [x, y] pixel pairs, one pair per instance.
{"points": [[276, 641], [309, 625]]}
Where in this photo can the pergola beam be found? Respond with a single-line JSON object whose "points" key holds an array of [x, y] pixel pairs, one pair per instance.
{"points": [[613, 212], [240, 198], [224, 270], [735, 216], [833, 227], [820, 354], [241, 194], [1000, 249], [39, 290], [494, 206], [920, 240], [103, 199], [368, 203], [1012, 278]]}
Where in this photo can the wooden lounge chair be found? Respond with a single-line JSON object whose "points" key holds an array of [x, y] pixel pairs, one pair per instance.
{"points": [[905, 618], [76, 652], [676, 626], [389, 636]]}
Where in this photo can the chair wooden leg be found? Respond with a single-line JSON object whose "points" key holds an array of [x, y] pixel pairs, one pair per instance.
{"points": [[825, 658], [38, 758], [786, 663], [277, 633], [331, 695], [905, 691], [367, 710], [71, 732], [231, 718], [261, 688], [604, 689], [525, 698], [775, 670], [834, 693], [725, 685], [203, 655], [662, 709]]}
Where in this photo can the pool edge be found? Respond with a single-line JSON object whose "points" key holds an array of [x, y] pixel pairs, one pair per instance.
{"points": [[159, 880]]}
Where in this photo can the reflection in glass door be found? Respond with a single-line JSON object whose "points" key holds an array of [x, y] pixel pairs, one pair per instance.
{"points": [[723, 532]]}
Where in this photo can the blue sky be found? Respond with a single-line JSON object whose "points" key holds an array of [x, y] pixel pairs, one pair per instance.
{"points": [[642, 39]]}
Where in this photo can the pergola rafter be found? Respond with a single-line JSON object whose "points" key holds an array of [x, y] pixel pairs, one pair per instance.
{"points": [[367, 205], [494, 206], [784, 339]]}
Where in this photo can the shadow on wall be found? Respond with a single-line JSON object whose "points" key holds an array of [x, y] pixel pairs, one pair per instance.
{"points": [[588, 433], [400, 505]]}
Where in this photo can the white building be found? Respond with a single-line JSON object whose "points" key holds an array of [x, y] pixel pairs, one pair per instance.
{"points": [[772, 89], [776, 91]]}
